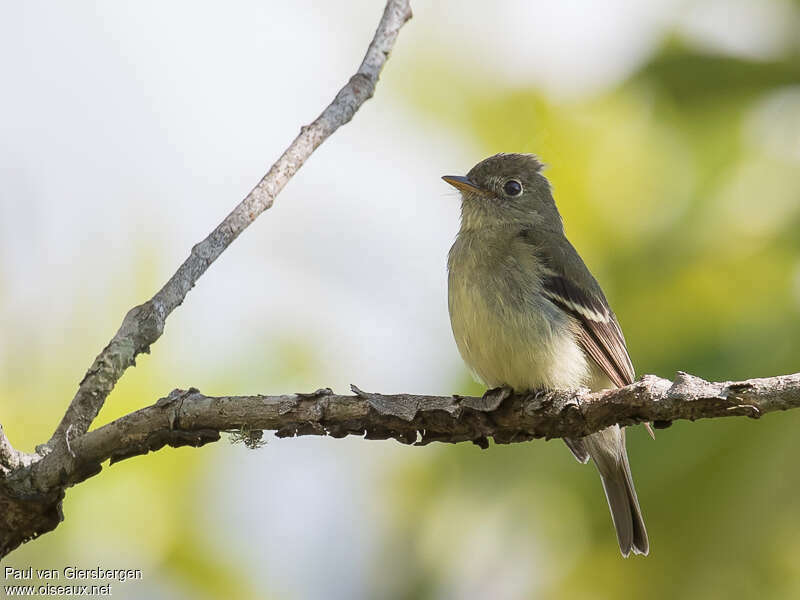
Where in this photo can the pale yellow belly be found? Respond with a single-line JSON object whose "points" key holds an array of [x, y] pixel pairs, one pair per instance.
{"points": [[508, 345]]}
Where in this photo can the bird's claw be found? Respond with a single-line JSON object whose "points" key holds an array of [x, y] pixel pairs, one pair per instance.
{"points": [[494, 397]]}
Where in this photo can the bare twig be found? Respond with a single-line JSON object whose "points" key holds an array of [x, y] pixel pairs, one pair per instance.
{"points": [[144, 324], [30, 507]]}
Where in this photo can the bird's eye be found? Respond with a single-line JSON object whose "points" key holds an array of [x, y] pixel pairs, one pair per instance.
{"points": [[512, 187]]}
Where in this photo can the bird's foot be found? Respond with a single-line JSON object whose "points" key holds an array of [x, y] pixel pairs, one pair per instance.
{"points": [[494, 397], [537, 394]]}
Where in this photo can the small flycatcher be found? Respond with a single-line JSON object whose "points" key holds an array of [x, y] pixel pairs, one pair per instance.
{"points": [[527, 313]]}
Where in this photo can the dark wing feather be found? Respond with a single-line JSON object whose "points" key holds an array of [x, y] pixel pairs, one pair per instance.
{"points": [[598, 333], [568, 284]]}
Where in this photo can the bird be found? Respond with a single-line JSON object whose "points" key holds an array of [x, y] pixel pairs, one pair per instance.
{"points": [[528, 315]]}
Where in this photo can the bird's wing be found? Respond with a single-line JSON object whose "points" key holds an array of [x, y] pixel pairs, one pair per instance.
{"points": [[598, 330], [568, 284]]}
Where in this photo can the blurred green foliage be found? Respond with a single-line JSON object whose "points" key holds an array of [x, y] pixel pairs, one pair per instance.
{"points": [[681, 189]]}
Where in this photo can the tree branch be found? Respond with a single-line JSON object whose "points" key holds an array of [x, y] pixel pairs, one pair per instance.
{"points": [[11, 459], [144, 324], [191, 418], [31, 490], [31, 495]]}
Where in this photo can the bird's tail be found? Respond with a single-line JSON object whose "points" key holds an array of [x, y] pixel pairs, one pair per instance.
{"points": [[607, 449]]}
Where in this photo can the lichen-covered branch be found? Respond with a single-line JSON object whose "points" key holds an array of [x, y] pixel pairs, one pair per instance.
{"points": [[10, 458], [31, 495], [191, 418], [144, 324]]}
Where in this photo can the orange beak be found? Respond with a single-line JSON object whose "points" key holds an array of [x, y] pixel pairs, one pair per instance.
{"points": [[463, 183]]}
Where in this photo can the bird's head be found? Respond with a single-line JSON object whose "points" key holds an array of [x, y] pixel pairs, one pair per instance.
{"points": [[506, 189]]}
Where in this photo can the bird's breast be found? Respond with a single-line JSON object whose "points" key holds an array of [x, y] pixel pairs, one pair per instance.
{"points": [[505, 330]]}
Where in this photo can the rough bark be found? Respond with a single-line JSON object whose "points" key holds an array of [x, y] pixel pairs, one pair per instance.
{"points": [[187, 417], [191, 418]]}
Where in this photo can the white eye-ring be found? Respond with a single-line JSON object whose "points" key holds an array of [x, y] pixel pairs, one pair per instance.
{"points": [[512, 187]]}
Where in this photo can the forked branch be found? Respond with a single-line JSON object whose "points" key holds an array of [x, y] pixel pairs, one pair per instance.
{"points": [[28, 506], [144, 324]]}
